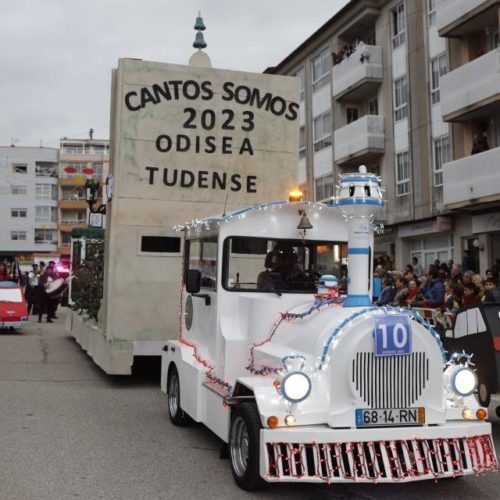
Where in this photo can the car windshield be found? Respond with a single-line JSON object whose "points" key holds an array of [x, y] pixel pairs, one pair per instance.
{"points": [[10, 295], [278, 265]]}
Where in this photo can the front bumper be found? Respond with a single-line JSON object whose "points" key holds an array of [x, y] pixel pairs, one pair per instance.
{"points": [[396, 454]]}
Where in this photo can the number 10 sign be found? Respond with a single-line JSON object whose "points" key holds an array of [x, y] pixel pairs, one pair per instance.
{"points": [[392, 335]]}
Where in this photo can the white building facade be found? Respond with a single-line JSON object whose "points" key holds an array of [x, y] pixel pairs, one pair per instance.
{"points": [[28, 202], [470, 104], [376, 88]]}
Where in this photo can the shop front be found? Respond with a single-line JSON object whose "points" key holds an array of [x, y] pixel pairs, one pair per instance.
{"points": [[427, 241]]}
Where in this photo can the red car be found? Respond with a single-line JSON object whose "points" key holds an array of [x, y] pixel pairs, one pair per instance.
{"points": [[13, 308]]}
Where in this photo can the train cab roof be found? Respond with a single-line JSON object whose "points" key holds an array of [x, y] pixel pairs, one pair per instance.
{"points": [[274, 220]]}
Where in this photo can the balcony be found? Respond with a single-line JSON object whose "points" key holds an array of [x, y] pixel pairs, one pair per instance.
{"points": [[65, 249], [66, 226], [472, 180], [72, 180], [457, 18], [360, 141], [73, 203], [472, 91], [358, 75]]}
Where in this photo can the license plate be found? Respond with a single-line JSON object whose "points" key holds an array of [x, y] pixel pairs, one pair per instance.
{"points": [[398, 416]]}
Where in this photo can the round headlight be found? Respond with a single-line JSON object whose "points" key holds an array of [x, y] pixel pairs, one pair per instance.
{"points": [[296, 387], [463, 381]]}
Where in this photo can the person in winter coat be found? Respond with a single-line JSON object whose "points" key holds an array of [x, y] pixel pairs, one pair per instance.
{"points": [[434, 290], [388, 292]]}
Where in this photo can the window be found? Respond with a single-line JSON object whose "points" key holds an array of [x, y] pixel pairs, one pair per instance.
{"points": [[398, 26], [302, 142], [431, 12], [373, 107], [321, 70], [19, 190], [18, 212], [19, 168], [46, 192], [322, 126], [18, 235], [97, 167], [402, 173], [45, 236], [160, 244], [65, 239], [400, 99], [202, 255], [301, 75], [284, 266], [442, 155], [46, 214], [352, 114], [75, 149], [73, 216], [324, 187], [72, 193], [45, 169], [438, 69]]}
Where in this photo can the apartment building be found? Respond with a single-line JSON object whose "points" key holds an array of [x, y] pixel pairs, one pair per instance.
{"points": [[28, 203], [470, 104], [370, 94], [80, 159]]}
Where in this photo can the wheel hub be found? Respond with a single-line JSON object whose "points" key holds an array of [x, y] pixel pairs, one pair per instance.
{"points": [[238, 446]]}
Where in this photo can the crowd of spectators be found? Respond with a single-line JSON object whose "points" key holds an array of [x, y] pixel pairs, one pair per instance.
{"points": [[445, 286]]}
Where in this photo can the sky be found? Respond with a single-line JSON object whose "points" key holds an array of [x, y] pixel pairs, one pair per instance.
{"points": [[56, 56]]}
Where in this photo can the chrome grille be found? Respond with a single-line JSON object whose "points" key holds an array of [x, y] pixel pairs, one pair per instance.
{"points": [[390, 381], [380, 461]]}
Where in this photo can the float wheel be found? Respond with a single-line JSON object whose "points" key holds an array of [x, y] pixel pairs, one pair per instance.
{"points": [[177, 415], [244, 447]]}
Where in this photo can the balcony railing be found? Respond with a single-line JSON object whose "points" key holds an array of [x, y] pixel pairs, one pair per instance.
{"points": [[473, 179], [358, 75], [459, 17], [361, 140], [470, 87]]}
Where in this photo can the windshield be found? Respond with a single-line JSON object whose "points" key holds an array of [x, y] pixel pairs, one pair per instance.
{"points": [[283, 266], [10, 295]]}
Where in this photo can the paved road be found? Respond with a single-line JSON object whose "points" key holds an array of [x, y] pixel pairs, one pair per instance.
{"points": [[69, 431]]}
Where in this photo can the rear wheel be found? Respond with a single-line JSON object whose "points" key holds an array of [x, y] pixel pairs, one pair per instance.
{"points": [[176, 413], [484, 394], [244, 447]]}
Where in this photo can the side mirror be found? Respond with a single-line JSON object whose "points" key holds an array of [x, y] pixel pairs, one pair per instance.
{"points": [[193, 281]]}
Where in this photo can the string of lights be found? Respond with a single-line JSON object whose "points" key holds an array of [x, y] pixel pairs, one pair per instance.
{"points": [[376, 460]]}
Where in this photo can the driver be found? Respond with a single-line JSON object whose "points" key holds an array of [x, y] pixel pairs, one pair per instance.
{"points": [[282, 270]]}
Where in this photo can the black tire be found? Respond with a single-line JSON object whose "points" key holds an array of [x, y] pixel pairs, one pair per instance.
{"points": [[483, 394], [244, 447], [177, 415]]}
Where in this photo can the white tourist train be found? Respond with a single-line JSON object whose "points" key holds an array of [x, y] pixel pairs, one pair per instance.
{"points": [[302, 382]]}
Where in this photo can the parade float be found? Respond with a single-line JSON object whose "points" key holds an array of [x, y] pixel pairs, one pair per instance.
{"points": [[187, 141], [315, 387]]}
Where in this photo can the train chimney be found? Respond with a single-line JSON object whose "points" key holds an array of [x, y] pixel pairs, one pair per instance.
{"points": [[359, 198]]}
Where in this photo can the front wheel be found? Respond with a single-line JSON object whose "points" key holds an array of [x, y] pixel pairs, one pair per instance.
{"points": [[244, 446], [177, 415]]}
